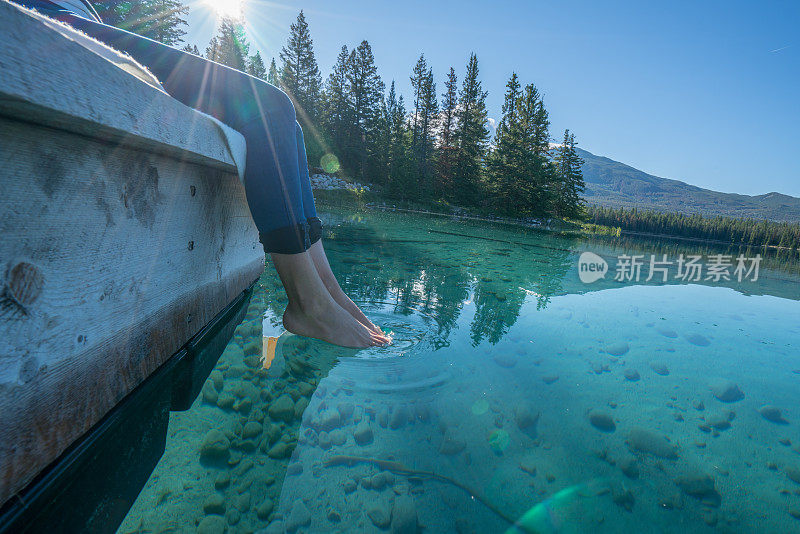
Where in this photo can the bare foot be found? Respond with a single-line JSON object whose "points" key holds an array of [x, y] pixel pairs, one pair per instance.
{"points": [[331, 323]]}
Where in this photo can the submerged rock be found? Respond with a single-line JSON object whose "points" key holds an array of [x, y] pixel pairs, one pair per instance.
{"points": [[299, 516], [667, 332], [282, 409], [549, 379], [631, 374], [659, 368], [643, 440], [618, 349], [399, 418], [363, 434], [793, 472], [505, 360], [264, 509], [214, 504], [210, 394], [527, 421], [629, 468], [379, 516], [451, 444], [602, 421], [726, 391], [701, 487], [721, 420], [697, 339], [252, 429], [215, 447], [404, 516], [212, 524], [772, 414]]}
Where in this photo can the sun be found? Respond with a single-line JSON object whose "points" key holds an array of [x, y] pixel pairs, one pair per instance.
{"points": [[227, 8]]}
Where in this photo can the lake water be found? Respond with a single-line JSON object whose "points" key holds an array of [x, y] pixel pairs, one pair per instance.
{"points": [[514, 397]]}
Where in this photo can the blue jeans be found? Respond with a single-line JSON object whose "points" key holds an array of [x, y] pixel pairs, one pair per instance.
{"points": [[276, 175]]}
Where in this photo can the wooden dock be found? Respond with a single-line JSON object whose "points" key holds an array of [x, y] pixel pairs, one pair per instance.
{"points": [[125, 230]]}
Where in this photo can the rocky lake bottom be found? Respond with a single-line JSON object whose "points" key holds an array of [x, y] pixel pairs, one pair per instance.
{"points": [[513, 399]]}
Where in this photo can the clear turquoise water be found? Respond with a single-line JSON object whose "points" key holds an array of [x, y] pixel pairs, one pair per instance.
{"points": [[502, 361]]}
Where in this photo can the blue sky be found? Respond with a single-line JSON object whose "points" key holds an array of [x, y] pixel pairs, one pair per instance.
{"points": [[705, 92]]}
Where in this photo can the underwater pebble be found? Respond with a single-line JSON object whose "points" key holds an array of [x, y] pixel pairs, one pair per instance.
{"points": [[299, 516], [786, 442], [629, 468], [252, 429], [278, 450], [527, 421], [210, 394], [667, 332], [282, 409], [793, 472], [300, 407], [363, 434], [642, 440], [631, 374], [378, 481], [398, 418], [349, 485], [265, 508], [617, 349], [773, 415], [528, 465], [212, 524], [700, 486], [697, 339], [549, 379], [215, 446], [404, 516], [338, 437], [698, 405], [217, 379], [794, 512], [214, 504], [726, 390], [505, 360], [721, 420], [324, 441], [345, 410], [659, 368], [379, 516], [451, 444], [222, 481], [233, 516], [383, 417], [602, 421], [333, 516], [226, 401]]}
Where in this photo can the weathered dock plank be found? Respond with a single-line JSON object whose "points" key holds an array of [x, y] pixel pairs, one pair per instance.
{"points": [[125, 229]]}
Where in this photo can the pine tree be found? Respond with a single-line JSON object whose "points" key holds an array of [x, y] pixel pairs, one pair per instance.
{"points": [[192, 49], [471, 136], [570, 184], [229, 47], [443, 185], [423, 123], [272, 76], [336, 117], [506, 164], [398, 165], [160, 20], [255, 66], [539, 174], [365, 96], [300, 76]]}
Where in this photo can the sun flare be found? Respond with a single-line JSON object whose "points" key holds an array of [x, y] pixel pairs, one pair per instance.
{"points": [[226, 8]]}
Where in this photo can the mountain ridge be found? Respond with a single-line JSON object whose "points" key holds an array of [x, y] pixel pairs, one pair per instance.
{"points": [[615, 184]]}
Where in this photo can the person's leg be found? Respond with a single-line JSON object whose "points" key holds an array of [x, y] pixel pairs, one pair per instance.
{"points": [[317, 251], [266, 118]]}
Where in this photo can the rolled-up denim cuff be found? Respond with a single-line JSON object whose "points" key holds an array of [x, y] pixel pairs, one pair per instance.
{"points": [[315, 229], [293, 239]]}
